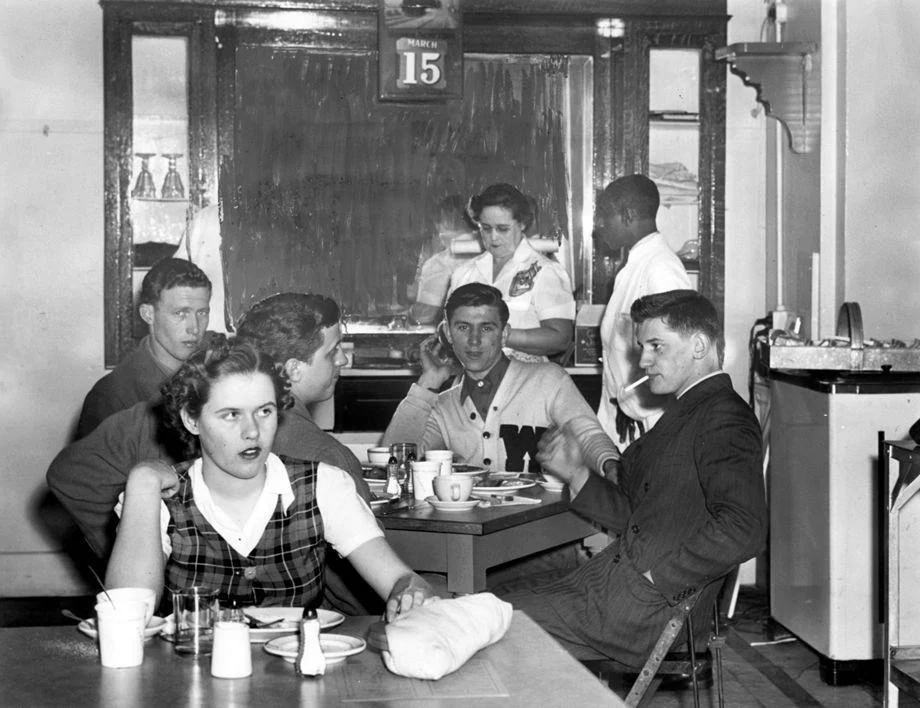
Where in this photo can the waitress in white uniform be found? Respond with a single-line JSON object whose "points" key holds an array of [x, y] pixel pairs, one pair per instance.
{"points": [[537, 288]]}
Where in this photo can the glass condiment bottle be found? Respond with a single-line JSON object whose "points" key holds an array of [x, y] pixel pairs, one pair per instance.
{"points": [[393, 488], [408, 487], [310, 658]]}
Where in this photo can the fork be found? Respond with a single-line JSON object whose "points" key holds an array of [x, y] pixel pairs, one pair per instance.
{"points": [[261, 624]]}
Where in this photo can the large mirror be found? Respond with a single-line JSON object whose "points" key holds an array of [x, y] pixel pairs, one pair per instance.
{"points": [[337, 193]]}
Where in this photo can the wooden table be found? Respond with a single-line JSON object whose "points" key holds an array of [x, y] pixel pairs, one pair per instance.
{"points": [[54, 666], [465, 544]]}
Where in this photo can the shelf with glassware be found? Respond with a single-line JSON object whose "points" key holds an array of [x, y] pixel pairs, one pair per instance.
{"points": [[674, 138], [158, 216]]}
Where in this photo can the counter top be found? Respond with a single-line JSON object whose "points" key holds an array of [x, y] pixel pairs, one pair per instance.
{"points": [[414, 373], [852, 382]]}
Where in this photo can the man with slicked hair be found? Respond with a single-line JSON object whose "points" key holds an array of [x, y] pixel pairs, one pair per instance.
{"points": [[174, 302]]}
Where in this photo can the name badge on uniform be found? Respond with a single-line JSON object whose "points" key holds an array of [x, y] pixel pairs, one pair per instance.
{"points": [[523, 280]]}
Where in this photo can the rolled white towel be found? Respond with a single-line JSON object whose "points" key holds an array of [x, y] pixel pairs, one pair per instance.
{"points": [[436, 639]]}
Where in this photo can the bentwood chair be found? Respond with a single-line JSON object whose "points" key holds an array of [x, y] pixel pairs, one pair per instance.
{"points": [[664, 666]]}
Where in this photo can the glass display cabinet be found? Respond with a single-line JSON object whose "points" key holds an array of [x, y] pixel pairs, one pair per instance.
{"points": [[273, 112], [900, 464], [160, 146]]}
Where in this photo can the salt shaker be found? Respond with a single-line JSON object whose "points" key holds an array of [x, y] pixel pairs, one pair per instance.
{"points": [[310, 658], [231, 656], [393, 477]]}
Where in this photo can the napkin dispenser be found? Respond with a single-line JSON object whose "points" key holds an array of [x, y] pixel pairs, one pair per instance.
{"points": [[588, 348]]}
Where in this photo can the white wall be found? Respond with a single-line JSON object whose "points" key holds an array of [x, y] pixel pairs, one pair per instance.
{"points": [[51, 246], [744, 203], [882, 204]]}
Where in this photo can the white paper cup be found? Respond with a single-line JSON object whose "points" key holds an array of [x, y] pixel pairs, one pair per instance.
{"points": [[120, 595], [121, 633], [445, 457], [231, 656], [423, 474]]}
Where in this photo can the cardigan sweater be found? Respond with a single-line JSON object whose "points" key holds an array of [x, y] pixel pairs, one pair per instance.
{"points": [[531, 398]]}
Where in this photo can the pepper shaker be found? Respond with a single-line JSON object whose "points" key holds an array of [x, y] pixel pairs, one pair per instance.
{"points": [[409, 486], [310, 658]]}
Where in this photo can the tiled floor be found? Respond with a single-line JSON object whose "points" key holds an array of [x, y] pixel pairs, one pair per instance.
{"points": [[774, 675]]}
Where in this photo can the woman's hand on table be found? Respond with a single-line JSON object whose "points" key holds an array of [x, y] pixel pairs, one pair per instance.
{"points": [[411, 590]]}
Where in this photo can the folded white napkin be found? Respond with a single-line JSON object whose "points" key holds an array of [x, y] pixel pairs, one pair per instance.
{"points": [[435, 639]]}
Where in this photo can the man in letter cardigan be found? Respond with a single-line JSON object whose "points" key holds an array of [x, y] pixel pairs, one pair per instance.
{"points": [[497, 412]]}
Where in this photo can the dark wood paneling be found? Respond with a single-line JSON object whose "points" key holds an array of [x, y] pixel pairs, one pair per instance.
{"points": [[368, 403], [116, 58]]}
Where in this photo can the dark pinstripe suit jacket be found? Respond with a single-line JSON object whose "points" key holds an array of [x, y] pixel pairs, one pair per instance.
{"points": [[689, 507]]}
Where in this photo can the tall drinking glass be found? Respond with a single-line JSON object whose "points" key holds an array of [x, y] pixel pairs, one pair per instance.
{"points": [[194, 611]]}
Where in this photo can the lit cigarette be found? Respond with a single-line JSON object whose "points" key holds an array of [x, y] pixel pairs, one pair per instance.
{"points": [[635, 383]]}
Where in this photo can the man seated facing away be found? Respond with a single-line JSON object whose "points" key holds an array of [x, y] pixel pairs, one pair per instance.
{"points": [[500, 408], [302, 332], [174, 302], [689, 504]]}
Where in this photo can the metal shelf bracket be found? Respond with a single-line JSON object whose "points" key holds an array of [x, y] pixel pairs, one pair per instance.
{"points": [[787, 84]]}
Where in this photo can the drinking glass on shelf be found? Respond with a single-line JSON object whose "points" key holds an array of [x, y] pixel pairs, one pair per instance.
{"points": [[144, 187], [172, 184]]}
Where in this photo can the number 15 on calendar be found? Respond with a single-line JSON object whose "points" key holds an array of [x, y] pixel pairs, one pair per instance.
{"points": [[421, 62]]}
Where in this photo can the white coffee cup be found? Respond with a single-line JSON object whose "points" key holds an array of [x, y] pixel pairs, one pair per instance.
{"points": [[423, 474], [120, 630], [453, 488], [120, 595], [231, 655]]}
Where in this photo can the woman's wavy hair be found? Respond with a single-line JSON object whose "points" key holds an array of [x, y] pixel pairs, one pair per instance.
{"points": [[190, 387], [508, 197]]}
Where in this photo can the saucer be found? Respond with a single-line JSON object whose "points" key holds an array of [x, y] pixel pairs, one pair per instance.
{"points": [[452, 505], [153, 628], [335, 647]]}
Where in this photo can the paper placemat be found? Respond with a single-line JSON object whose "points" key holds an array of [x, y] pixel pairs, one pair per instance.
{"points": [[373, 682]]}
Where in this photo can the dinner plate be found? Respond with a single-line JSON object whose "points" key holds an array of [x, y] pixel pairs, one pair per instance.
{"points": [[377, 486], [452, 505], [467, 470], [335, 647], [551, 486], [291, 623], [509, 482], [153, 628], [382, 498]]}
